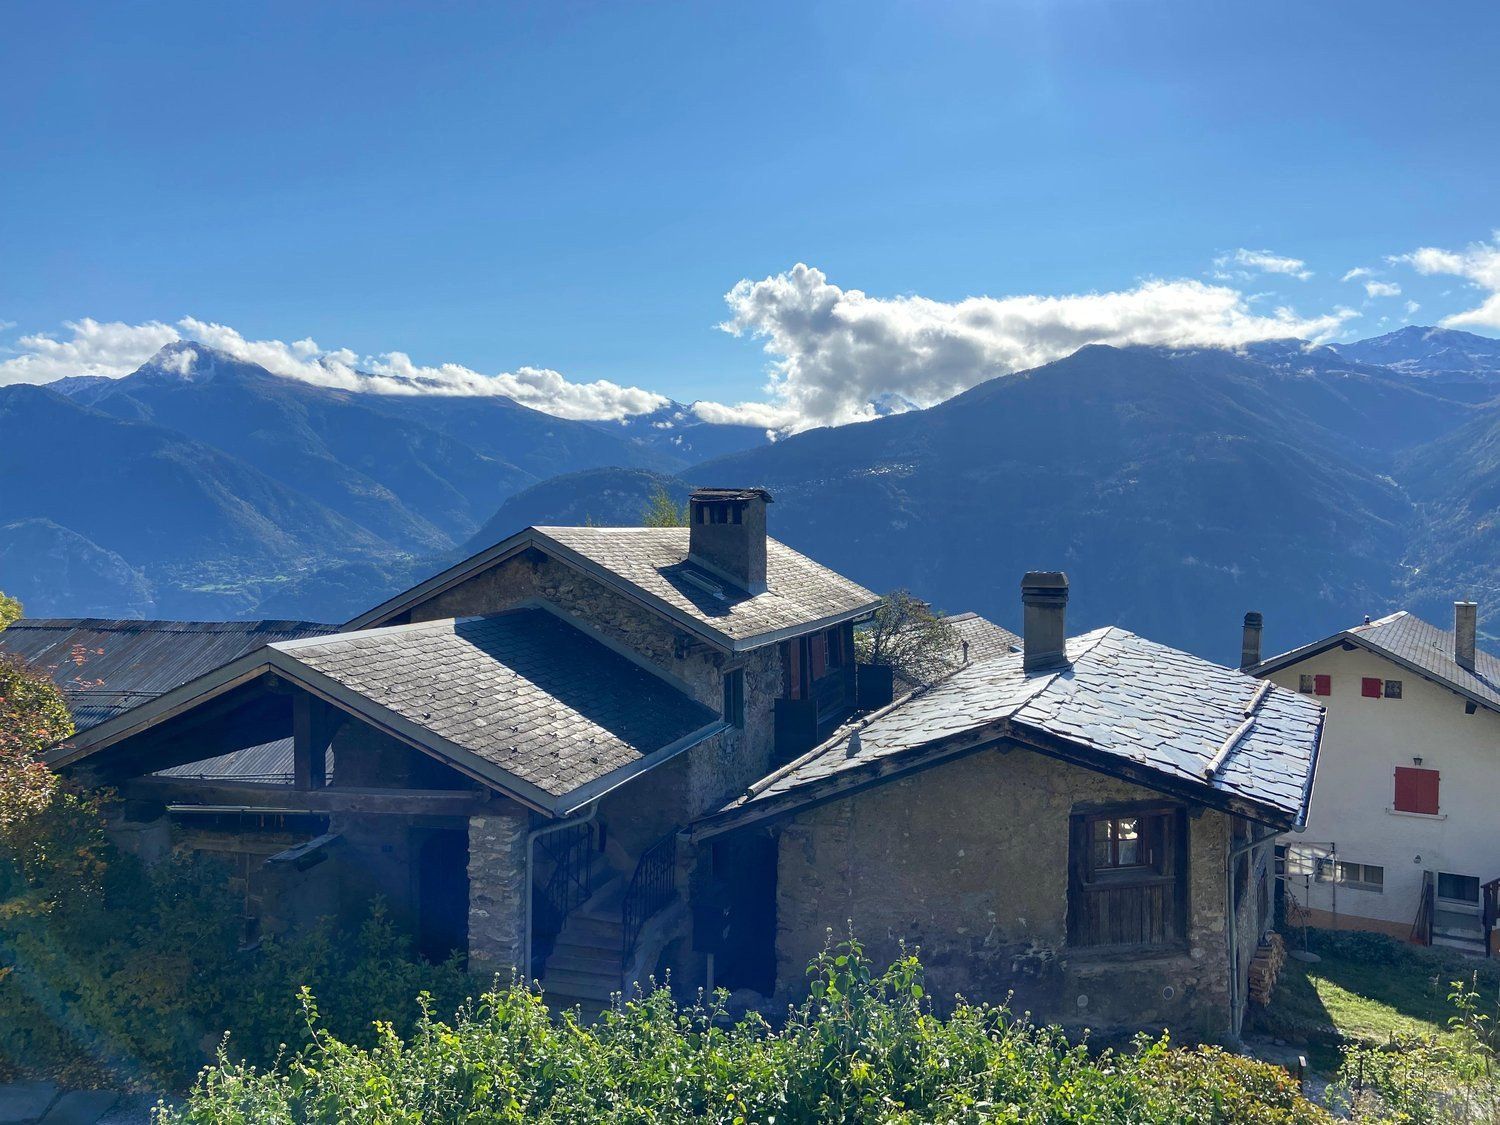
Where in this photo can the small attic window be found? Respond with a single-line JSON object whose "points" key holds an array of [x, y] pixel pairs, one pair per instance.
{"points": [[1305, 683], [1393, 689]]}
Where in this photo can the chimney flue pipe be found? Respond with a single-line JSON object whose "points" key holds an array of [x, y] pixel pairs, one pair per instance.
{"points": [[1250, 640], [1465, 624]]}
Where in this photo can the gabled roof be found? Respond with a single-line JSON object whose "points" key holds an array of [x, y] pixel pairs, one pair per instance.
{"points": [[1415, 645], [521, 700], [1125, 705], [106, 667], [984, 638], [650, 565]]}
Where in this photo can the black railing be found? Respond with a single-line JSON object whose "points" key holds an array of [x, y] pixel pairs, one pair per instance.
{"points": [[572, 854], [651, 887]]}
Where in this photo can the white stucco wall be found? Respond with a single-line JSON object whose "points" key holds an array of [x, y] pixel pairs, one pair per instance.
{"points": [[1364, 741]]}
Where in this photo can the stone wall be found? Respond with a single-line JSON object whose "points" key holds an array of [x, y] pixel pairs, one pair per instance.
{"points": [[497, 893], [969, 862]]}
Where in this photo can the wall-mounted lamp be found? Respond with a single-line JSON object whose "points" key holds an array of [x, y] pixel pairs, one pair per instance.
{"points": [[1417, 761]]}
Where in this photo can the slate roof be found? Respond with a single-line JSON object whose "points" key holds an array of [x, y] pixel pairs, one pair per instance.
{"points": [[1416, 645], [523, 691], [106, 667], [984, 637], [650, 564], [1126, 704]]}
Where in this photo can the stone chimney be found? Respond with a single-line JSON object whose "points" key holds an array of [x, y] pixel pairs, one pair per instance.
{"points": [[1250, 640], [1465, 622], [1044, 637], [727, 534]]}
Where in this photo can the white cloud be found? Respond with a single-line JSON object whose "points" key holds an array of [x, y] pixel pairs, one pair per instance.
{"points": [[1242, 264], [1356, 273], [1382, 289], [110, 349], [837, 349], [1412, 307], [1479, 264], [116, 349]]}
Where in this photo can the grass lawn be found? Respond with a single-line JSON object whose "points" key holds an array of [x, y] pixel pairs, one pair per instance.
{"points": [[1368, 989]]}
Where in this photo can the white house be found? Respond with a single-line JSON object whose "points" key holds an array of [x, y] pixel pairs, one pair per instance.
{"points": [[1401, 834]]}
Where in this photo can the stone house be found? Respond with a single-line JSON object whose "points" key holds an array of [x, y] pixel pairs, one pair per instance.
{"points": [[1087, 824], [591, 754], [1401, 838], [505, 752]]}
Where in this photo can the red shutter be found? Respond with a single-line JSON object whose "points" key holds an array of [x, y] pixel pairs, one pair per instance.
{"points": [[1369, 687], [1416, 790], [794, 669], [1322, 685], [819, 658]]}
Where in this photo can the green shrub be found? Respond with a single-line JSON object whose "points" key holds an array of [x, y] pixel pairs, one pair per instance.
{"points": [[864, 1047]]}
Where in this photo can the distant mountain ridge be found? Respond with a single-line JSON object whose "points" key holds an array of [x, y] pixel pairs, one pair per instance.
{"points": [[1178, 487], [272, 479]]}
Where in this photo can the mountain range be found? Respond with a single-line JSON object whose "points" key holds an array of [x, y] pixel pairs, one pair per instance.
{"points": [[1177, 487]]}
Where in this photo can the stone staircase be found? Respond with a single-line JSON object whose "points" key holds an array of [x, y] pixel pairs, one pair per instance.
{"points": [[584, 968], [1461, 930]]}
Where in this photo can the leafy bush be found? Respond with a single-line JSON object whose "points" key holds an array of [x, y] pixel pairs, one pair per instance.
{"points": [[1417, 1081], [864, 1047]]}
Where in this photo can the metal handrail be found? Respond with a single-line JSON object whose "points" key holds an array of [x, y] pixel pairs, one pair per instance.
{"points": [[572, 879], [651, 887], [1491, 911]]}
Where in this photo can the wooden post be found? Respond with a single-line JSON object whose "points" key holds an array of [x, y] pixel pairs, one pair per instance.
{"points": [[313, 725]]}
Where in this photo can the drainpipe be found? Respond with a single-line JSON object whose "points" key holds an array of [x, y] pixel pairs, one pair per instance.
{"points": [[531, 839], [1231, 926]]}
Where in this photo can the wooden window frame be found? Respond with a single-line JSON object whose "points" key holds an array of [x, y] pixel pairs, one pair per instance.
{"points": [[734, 698], [1093, 891]]}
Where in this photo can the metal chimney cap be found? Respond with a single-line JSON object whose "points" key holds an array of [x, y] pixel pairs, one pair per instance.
{"points": [[1254, 620], [1044, 582]]}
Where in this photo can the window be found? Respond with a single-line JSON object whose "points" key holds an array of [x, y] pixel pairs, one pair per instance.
{"points": [[1356, 876], [1370, 687], [1305, 683], [734, 697], [1128, 877], [1458, 888], [1322, 685], [1393, 689], [1416, 790], [834, 642], [817, 661]]}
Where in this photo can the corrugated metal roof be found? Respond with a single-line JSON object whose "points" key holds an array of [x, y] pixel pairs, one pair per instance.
{"points": [[105, 667]]}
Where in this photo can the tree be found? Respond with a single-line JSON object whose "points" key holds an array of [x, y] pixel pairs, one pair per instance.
{"points": [[33, 716], [662, 511], [907, 634]]}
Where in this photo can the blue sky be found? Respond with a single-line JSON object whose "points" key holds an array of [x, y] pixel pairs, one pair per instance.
{"points": [[576, 187]]}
